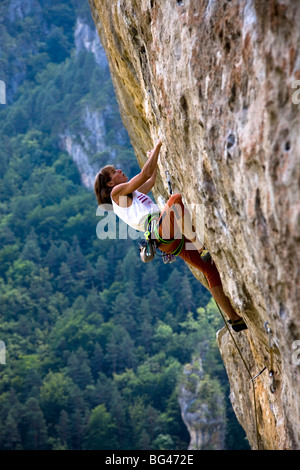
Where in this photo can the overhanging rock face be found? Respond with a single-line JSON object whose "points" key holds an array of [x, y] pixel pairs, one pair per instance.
{"points": [[218, 82]]}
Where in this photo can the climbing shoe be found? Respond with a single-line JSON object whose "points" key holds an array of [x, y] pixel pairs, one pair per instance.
{"points": [[238, 325], [205, 256]]}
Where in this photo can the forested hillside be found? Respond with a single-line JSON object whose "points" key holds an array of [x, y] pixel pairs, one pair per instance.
{"points": [[95, 340]]}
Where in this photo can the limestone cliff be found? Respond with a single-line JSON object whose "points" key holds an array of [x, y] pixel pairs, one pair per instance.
{"points": [[202, 408], [217, 80]]}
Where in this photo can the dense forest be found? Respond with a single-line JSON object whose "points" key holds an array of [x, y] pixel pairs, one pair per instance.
{"points": [[95, 340]]}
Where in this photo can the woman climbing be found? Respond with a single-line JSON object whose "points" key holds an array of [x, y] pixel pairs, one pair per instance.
{"points": [[131, 203]]}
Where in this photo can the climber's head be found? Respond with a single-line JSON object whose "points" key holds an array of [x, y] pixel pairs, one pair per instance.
{"points": [[105, 180]]}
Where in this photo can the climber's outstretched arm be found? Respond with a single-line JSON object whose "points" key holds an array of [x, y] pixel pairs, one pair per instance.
{"points": [[146, 187], [147, 173]]}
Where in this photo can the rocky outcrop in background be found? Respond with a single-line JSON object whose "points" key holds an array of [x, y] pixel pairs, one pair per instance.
{"points": [[218, 81], [81, 145], [202, 408]]}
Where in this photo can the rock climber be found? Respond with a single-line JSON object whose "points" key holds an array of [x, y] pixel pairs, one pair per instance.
{"points": [[131, 204]]}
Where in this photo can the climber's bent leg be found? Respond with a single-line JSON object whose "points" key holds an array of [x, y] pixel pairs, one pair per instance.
{"points": [[183, 224], [223, 301], [168, 229], [186, 227], [212, 276], [208, 268], [192, 257]]}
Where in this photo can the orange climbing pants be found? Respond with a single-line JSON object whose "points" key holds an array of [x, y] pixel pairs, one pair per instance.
{"points": [[169, 230]]}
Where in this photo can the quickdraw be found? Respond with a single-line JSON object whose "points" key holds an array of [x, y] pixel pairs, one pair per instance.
{"points": [[169, 182], [271, 350], [148, 247]]}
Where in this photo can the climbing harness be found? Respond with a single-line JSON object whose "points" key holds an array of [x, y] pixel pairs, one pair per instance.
{"points": [[148, 247], [169, 257], [177, 250], [271, 350]]}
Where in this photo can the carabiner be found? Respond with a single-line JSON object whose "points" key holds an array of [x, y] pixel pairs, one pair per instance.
{"points": [[272, 386], [147, 235]]}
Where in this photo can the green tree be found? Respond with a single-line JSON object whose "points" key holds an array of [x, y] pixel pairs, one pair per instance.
{"points": [[12, 438], [129, 266], [56, 393], [146, 335], [118, 411], [79, 423], [36, 431], [150, 278], [163, 442], [31, 250], [101, 431], [75, 259], [144, 422], [32, 383], [65, 279], [79, 369], [57, 45], [102, 270], [52, 259], [120, 350], [97, 360], [64, 429]]}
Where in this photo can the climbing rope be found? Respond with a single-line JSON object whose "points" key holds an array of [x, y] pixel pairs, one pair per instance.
{"points": [[249, 373]]}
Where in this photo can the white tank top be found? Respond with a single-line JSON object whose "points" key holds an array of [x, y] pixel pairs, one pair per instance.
{"points": [[135, 215]]}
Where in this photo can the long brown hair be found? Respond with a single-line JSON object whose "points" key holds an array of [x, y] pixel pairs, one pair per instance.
{"points": [[103, 191]]}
